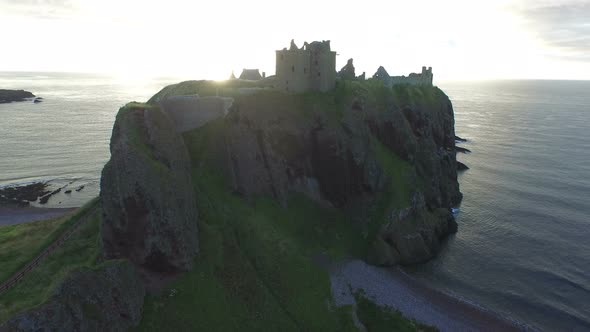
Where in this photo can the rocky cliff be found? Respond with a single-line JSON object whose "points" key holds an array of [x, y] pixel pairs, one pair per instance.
{"points": [[106, 298], [384, 155], [284, 183], [149, 206]]}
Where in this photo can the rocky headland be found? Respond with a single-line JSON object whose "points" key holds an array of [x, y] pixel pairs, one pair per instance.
{"points": [[248, 201], [9, 96]]}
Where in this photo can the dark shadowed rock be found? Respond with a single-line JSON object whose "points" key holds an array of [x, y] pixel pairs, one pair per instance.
{"points": [[461, 166], [269, 148], [22, 195], [149, 207], [412, 235], [108, 298], [8, 96], [462, 150]]}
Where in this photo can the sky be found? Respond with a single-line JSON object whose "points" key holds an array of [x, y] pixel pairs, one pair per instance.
{"points": [[460, 39]]}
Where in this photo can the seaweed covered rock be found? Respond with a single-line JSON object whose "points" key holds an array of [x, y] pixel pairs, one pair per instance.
{"points": [[108, 298], [149, 207]]}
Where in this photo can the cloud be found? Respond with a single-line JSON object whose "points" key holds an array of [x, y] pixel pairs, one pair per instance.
{"points": [[40, 9], [564, 27]]}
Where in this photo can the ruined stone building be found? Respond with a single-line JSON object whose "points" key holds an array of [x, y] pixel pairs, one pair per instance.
{"points": [[424, 78], [309, 68]]}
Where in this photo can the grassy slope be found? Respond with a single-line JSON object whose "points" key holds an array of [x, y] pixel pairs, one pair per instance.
{"points": [[19, 244], [80, 250]]}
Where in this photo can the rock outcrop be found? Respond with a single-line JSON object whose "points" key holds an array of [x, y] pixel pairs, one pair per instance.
{"points": [[412, 235], [276, 144], [108, 298], [149, 207], [8, 96]]}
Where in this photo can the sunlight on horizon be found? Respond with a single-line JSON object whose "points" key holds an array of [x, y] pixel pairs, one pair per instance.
{"points": [[136, 39]]}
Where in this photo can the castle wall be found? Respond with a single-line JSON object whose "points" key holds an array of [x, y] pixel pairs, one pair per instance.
{"points": [[424, 78], [312, 67], [191, 112], [323, 74], [293, 70]]}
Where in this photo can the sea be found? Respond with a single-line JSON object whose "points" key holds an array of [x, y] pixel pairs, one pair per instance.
{"points": [[523, 245]]}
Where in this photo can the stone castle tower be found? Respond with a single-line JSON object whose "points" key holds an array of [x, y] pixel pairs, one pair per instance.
{"points": [[312, 67]]}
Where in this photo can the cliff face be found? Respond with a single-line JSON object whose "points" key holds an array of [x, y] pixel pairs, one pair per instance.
{"points": [[149, 207], [383, 155]]}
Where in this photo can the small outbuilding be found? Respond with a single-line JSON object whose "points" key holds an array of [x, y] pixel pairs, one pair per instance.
{"points": [[251, 75]]}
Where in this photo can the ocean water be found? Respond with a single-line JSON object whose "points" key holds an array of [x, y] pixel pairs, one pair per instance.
{"points": [[523, 246], [65, 139]]}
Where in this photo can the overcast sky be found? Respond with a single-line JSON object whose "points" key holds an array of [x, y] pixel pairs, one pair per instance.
{"points": [[460, 39]]}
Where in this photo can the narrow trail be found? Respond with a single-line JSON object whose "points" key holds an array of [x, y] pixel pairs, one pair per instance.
{"points": [[19, 275]]}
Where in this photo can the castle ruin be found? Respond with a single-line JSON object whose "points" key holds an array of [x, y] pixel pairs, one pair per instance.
{"points": [[309, 68], [424, 78]]}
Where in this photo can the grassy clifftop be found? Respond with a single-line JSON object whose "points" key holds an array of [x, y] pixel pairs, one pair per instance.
{"points": [[285, 185]]}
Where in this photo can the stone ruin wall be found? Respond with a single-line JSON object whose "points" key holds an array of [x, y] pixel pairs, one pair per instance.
{"points": [[191, 112]]}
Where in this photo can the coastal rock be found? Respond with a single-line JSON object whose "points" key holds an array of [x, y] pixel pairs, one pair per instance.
{"points": [[461, 166], [108, 298], [149, 206], [9, 96], [413, 235], [22, 195], [460, 139], [462, 150]]}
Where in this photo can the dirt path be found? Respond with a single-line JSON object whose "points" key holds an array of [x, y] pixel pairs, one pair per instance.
{"points": [[19, 275]]}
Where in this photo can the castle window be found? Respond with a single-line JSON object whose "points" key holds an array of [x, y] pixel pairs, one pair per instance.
{"points": [[316, 62], [282, 56], [293, 68], [305, 70], [318, 74]]}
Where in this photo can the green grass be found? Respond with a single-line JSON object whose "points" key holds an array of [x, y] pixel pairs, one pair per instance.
{"points": [[382, 318], [81, 249], [19, 244], [205, 88]]}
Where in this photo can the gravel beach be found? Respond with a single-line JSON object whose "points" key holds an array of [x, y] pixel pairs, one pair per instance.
{"points": [[392, 287]]}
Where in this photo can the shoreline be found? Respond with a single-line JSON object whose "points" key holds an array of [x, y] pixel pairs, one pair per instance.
{"points": [[13, 215], [414, 299]]}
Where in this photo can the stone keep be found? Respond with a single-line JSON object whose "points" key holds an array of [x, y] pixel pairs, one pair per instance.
{"points": [[310, 68]]}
